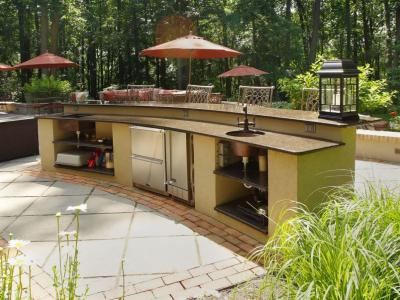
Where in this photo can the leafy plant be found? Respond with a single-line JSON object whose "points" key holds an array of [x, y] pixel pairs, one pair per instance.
{"points": [[47, 86], [375, 96], [350, 250], [66, 275], [293, 86], [12, 266]]}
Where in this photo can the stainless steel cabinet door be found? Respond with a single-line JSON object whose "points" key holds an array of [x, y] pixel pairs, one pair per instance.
{"points": [[149, 172], [177, 164], [148, 142]]}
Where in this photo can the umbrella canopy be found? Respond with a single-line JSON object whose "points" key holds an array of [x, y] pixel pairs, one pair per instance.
{"points": [[242, 70], [46, 61], [190, 46], [4, 67]]}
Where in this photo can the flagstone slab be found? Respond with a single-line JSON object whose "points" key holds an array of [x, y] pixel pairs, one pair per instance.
{"points": [[8, 176], [103, 226], [67, 189], [211, 252], [26, 189], [39, 251], [109, 204], [38, 228], [154, 224], [96, 258], [154, 255], [14, 206], [53, 204], [5, 222]]}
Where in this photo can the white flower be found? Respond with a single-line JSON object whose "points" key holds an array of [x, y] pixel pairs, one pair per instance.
{"points": [[82, 207], [67, 233], [20, 260], [18, 244], [58, 214]]}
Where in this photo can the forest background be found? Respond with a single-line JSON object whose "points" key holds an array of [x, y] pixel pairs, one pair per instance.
{"points": [[284, 37]]}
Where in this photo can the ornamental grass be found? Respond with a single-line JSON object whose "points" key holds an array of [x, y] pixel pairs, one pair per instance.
{"points": [[350, 249]]}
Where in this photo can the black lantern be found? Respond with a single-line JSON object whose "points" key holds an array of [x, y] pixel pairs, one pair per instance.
{"points": [[338, 90]]}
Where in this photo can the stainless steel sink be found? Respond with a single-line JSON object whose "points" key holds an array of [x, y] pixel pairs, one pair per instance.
{"points": [[244, 133], [75, 116]]}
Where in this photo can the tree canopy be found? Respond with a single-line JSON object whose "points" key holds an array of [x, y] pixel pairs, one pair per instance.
{"points": [[284, 37]]}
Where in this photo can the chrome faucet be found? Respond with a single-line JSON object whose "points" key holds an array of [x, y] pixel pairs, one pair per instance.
{"points": [[245, 123]]}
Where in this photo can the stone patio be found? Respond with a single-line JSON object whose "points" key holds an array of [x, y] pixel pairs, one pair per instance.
{"points": [[170, 251]]}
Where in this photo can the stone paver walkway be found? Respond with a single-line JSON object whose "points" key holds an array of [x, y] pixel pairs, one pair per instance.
{"points": [[169, 250]]}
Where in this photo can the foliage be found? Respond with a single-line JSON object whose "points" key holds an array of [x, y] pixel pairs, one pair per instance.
{"points": [[375, 96], [47, 86], [13, 264], [293, 86], [349, 250], [66, 274], [282, 104]]}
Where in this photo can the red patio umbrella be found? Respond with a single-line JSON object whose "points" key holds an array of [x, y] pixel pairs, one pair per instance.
{"points": [[46, 61], [242, 70], [4, 67], [190, 46]]}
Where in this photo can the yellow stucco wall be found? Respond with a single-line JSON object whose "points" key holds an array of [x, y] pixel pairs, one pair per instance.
{"points": [[321, 172], [290, 177], [122, 153], [378, 145], [282, 187]]}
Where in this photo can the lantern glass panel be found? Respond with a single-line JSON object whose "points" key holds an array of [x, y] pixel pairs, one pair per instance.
{"points": [[350, 94], [330, 94]]}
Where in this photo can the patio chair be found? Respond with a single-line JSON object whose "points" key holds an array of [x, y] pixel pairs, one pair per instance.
{"points": [[309, 99], [198, 93], [256, 95], [143, 92]]}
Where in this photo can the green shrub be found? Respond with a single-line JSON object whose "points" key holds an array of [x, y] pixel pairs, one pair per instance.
{"points": [[293, 86], [375, 96], [349, 250], [46, 87]]}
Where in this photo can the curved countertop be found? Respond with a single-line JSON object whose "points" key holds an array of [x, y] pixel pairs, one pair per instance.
{"points": [[270, 140], [232, 107]]}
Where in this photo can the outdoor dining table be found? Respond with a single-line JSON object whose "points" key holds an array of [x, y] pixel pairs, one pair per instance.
{"points": [[172, 96]]}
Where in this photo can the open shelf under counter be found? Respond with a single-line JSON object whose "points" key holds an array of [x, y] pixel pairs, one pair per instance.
{"points": [[231, 209], [83, 143], [99, 170], [252, 176]]}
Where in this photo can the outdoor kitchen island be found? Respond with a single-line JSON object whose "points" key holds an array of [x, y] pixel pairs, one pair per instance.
{"points": [[196, 153]]}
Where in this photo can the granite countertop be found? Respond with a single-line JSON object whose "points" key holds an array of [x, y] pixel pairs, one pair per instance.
{"points": [[253, 110], [270, 140], [6, 117]]}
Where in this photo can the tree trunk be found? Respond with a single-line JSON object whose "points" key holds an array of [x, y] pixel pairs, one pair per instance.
{"points": [[389, 37], [54, 28], [366, 31], [44, 26], [24, 39], [91, 65], [347, 22], [355, 36], [315, 31], [302, 16], [396, 57]]}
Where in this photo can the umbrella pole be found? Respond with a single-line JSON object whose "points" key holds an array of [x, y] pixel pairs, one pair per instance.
{"points": [[190, 68]]}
